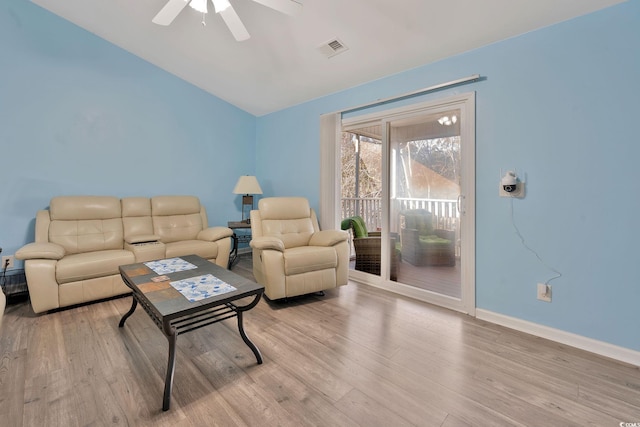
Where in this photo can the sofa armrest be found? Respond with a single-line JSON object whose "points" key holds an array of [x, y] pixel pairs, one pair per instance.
{"points": [[328, 237], [212, 234], [142, 238], [40, 251], [266, 242]]}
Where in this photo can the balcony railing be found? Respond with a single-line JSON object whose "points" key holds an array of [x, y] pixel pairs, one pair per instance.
{"points": [[445, 212]]}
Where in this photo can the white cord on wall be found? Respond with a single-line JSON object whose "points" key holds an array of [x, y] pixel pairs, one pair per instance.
{"points": [[515, 227]]}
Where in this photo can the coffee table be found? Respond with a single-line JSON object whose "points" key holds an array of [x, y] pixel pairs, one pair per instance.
{"points": [[174, 314]]}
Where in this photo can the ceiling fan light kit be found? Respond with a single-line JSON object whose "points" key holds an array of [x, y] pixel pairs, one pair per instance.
{"points": [[222, 7], [199, 5]]}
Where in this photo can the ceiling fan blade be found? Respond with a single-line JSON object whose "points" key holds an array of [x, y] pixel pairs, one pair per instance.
{"points": [[290, 7], [234, 23], [169, 12]]}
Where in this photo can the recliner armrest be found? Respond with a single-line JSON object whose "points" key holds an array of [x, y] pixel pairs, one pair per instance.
{"points": [[267, 242], [40, 250], [328, 238], [212, 234]]}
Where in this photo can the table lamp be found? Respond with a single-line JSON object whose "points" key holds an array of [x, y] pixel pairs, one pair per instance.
{"points": [[247, 185]]}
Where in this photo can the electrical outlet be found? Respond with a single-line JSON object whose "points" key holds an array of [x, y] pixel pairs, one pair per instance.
{"points": [[544, 292], [4, 262]]}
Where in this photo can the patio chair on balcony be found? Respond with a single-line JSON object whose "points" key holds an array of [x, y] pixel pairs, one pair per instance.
{"points": [[421, 243], [368, 247]]}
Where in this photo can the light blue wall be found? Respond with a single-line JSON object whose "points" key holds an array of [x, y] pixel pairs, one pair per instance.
{"points": [[560, 105], [81, 116]]}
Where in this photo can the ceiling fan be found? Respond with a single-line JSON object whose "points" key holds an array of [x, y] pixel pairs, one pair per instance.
{"points": [[173, 7]]}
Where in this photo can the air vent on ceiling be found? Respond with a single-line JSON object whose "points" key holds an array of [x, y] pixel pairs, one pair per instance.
{"points": [[332, 47]]}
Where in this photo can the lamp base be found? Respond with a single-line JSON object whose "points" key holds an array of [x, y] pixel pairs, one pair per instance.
{"points": [[247, 200]]}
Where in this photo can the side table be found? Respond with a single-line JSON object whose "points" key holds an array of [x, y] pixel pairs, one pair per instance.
{"points": [[237, 239]]}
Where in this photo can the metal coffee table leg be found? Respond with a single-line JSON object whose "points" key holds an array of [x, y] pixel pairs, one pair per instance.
{"points": [[245, 338], [134, 304], [172, 337]]}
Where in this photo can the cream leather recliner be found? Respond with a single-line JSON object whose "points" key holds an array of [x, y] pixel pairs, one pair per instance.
{"points": [[291, 256]]}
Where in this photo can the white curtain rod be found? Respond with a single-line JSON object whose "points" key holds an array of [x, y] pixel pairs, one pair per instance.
{"points": [[452, 83]]}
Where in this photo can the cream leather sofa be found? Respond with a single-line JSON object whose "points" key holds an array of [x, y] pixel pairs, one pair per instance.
{"points": [[82, 240], [291, 256]]}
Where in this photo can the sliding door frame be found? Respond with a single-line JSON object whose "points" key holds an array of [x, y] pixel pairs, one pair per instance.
{"points": [[332, 127]]}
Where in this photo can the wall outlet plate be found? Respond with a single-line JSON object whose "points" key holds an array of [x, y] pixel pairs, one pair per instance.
{"points": [[544, 292]]}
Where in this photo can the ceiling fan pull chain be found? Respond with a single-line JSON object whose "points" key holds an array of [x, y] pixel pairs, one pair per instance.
{"points": [[204, 24]]}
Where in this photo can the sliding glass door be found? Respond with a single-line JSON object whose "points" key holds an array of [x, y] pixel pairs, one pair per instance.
{"points": [[408, 174], [425, 165]]}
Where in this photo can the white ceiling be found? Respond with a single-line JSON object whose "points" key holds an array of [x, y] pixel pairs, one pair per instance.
{"points": [[280, 66]]}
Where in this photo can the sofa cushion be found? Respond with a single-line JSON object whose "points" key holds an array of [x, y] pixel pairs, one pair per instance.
{"points": [[176, 218], [174, 205], [89, 265], [432, 240], [136, 206], [86, 223], [66, 208], [136, 218], [176, 228], [77, 236], [206, 250], [309, 258]]}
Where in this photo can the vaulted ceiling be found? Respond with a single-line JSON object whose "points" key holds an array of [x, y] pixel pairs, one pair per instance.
{"points": [[280, 65]]}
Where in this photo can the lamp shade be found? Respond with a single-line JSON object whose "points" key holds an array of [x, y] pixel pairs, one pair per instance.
{"points": [[247, 184]]}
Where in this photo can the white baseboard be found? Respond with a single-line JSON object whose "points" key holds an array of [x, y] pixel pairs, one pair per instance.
{"points": [[594, 346]]}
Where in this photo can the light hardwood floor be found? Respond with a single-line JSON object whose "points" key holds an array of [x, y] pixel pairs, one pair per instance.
{"points": [[358, 356]]}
